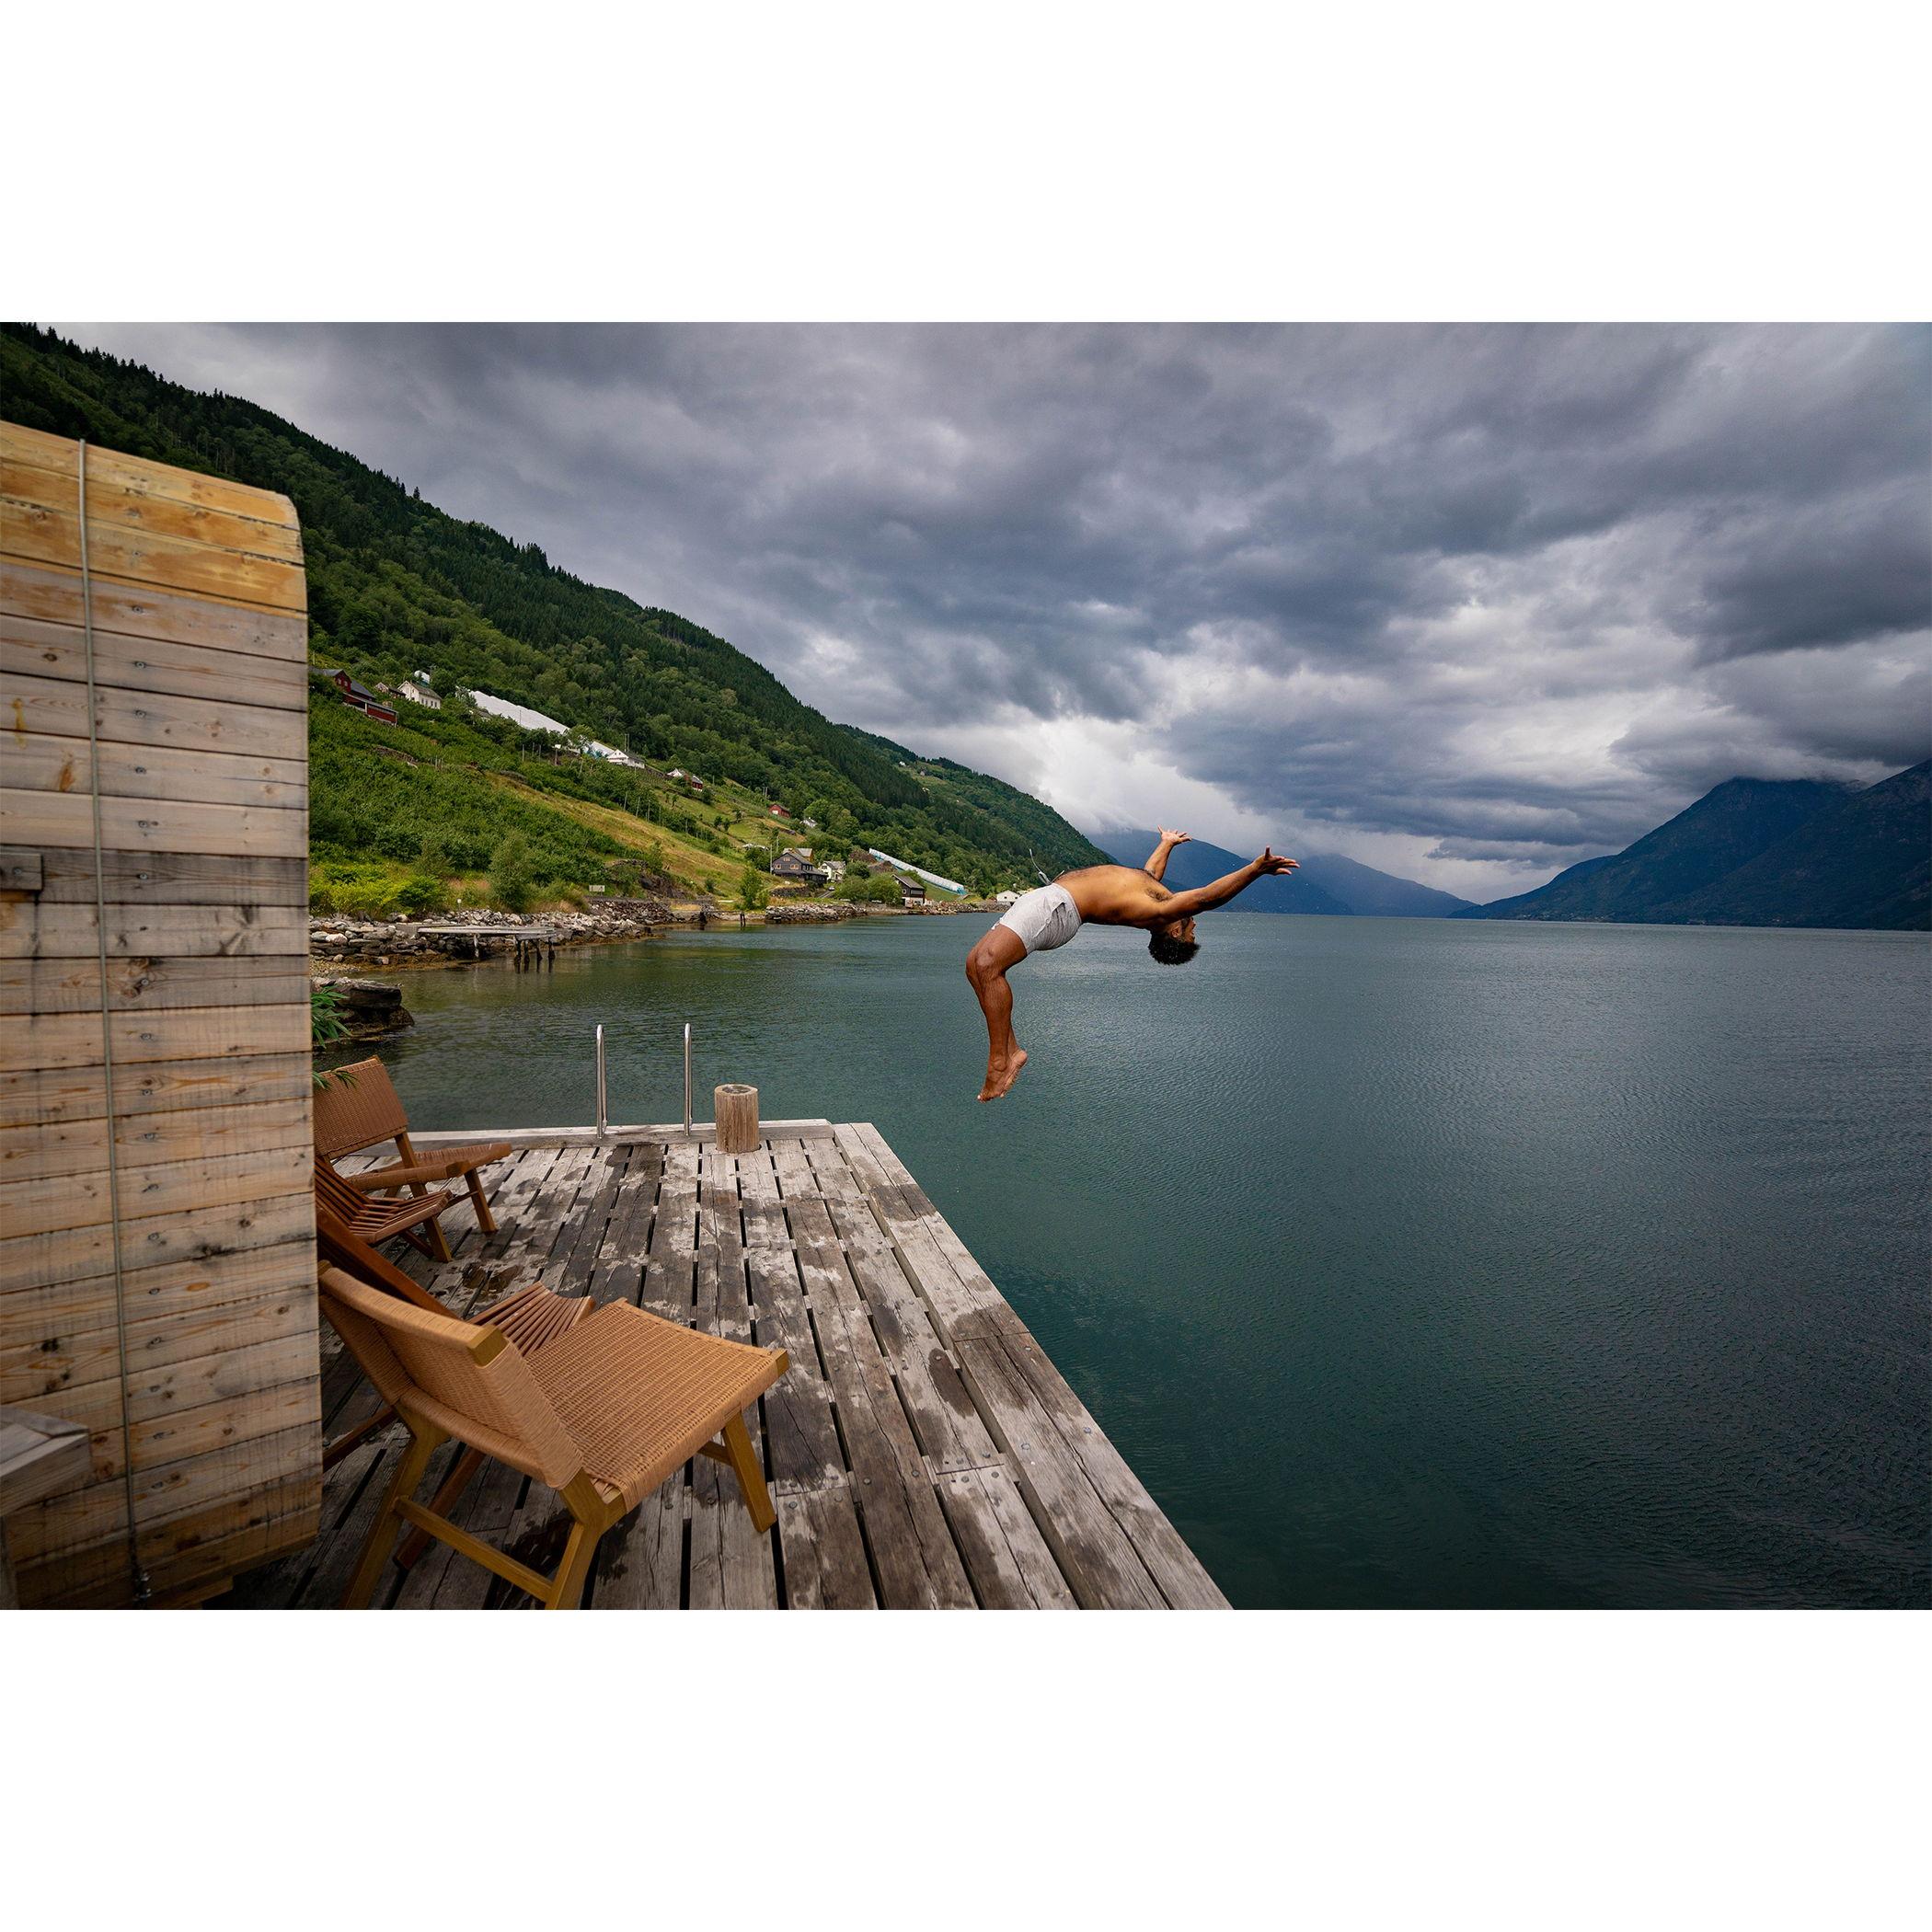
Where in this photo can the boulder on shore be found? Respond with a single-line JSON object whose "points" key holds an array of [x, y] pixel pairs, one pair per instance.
{"points": [[371, 1009]]}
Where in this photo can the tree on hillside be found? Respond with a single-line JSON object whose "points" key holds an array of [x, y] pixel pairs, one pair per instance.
{"points": [[512, 881]]}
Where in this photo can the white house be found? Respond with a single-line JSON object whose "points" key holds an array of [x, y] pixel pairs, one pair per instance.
{"points": [[1006, 899], [416, 689]]}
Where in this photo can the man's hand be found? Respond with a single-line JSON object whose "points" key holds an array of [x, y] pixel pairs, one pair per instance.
{"points": [[1173, 838], [1269, 863]]}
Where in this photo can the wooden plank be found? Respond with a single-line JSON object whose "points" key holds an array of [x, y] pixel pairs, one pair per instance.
{"points": [[65, 1335], [27, 1154], [143, 1038], [138, 983], [732, 1566], [669, 1267], [131, 504], [134, 879], [48, 818], [804, 1451], [40, 535], [1011, 1566], [157, 1390], [1093, 1553], [213, 1425], [189, 1186], [619, 1272], [60, 455], [183, 1551], [52, 596], [59, 1096], [913, 1551], [148, 690], [83, 1517], [641, 1561], [1174, 1566], [949, 1429], [43, 1261], [825, 1565], [580, 1237], [32, 931], [38, 761]]}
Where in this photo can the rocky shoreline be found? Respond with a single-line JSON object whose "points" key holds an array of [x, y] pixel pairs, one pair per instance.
{"points": [[337, 939]]}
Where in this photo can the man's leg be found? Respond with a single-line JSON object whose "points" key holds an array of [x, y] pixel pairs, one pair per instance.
{"points": [[986, 967]]}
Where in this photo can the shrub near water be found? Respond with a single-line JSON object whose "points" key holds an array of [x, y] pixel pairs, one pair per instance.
{"points": [[512, 883]]}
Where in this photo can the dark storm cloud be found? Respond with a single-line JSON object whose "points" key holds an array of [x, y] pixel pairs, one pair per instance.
{"points": [[1513, 594]]}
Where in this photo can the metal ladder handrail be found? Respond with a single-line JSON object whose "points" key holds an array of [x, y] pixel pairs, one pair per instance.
{"points": [[603, 1115]]}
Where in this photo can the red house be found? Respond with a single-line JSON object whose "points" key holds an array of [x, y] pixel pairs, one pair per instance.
{"points": [[363, 700]]}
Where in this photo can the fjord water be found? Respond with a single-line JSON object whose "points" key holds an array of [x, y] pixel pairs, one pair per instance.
{"points": [[1409, 1262]]}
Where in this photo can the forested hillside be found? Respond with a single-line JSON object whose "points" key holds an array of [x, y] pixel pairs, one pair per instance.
{"points": [[1762, 852], [395, 586]]}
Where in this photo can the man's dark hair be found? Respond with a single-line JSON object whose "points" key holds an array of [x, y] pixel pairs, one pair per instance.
{"points": [[1171, 951]]}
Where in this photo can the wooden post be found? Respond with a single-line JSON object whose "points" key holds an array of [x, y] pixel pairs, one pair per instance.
{"points": [[737, 1113]]}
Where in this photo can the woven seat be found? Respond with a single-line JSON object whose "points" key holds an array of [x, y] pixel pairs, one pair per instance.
{"points": [[640, 1396], [357, 1106], [373, 1219], [601, 1415]]}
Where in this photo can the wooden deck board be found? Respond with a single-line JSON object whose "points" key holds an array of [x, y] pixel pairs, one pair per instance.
{"points": [[922, 1451]]}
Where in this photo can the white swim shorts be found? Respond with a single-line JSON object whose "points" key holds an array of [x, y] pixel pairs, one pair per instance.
{"points": [[1044, 918]]}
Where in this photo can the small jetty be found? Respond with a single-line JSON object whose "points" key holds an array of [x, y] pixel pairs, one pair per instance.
{"points": [[921, 1452]]}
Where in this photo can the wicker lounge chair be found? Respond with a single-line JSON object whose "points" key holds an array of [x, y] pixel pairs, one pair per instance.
{"points": [[373, 1219], [529, 1315], [357, 1107], [602, 1415]]}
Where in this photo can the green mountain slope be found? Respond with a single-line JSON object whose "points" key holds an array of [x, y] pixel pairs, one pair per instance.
{"points": [[1728, 826], [1758, 852], [1864, 861], [395, 585]]}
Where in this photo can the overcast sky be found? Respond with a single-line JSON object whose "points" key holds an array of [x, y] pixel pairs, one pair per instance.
{"points": [[1468, 604]]}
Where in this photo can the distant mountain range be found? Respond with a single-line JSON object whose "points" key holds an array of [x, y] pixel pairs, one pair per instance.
{"points": [[1761, 852], [1326, 882]]}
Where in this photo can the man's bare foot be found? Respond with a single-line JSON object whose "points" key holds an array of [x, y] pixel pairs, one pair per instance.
{"points": [[1000, 1079]]}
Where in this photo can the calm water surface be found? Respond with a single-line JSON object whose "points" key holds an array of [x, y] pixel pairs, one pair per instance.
{"points": [[1409, 1262]]}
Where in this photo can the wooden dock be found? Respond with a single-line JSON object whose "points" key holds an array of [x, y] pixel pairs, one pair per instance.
{"points": [[921, 1452]]}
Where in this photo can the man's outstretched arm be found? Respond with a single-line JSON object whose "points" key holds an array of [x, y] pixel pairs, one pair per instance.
{"points": [[1156, 866], [1205, 899]]}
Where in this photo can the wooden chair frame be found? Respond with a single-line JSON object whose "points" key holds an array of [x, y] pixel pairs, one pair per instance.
{"points": [[591, 1514], [516, 1421], [367, 1110]]}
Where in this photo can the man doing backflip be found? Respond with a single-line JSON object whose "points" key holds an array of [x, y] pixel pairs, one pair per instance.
{"points": [[1095, 895]]}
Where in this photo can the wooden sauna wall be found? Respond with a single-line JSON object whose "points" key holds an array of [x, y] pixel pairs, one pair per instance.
{"points": [[200, 667]]}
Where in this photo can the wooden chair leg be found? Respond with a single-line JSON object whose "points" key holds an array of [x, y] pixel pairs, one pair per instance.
{"points": [[591, 1517], [484, 1219], [751, 1478], [443, 1503], [438, 1241], [381, 1533]]}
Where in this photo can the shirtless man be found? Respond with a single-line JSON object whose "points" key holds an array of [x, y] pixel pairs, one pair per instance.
{"points": [[1099, 895]]}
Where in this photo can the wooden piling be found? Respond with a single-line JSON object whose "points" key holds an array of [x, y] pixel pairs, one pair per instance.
{"points": [[736, 1108]]}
